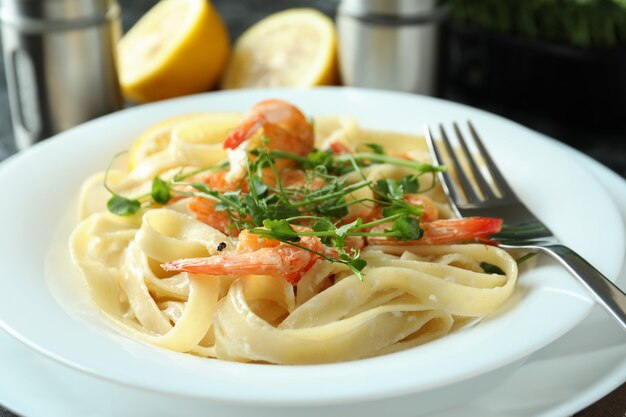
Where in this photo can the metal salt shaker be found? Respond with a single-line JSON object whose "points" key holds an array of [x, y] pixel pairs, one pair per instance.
{"points": [[60, 63], [389, 44]]}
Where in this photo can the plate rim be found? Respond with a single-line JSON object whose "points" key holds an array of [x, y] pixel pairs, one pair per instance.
{"points": [[573, 404], [343, 399]]}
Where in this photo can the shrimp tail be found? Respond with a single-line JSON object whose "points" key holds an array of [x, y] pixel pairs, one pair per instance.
{"points": [[245, 130], [192, 265], [228, 264], [284, 125], [280, 262], [447, 231]]}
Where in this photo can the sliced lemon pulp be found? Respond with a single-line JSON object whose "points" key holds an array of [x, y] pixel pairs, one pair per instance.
{"points": [[293, 48], [152, 40], [179, 47]]}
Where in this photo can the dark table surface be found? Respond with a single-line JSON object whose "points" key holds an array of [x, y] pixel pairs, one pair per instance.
{"points": [[607, 147]]}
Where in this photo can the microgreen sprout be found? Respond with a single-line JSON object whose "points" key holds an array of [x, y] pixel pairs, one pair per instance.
{"points": [[272, 208], [118, 204]]}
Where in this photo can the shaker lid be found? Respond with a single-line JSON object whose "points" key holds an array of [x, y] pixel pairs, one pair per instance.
{"points": [[38, 15], [396, 8]]}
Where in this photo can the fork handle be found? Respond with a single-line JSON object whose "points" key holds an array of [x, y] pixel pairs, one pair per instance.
{"points": [[607, 294]]}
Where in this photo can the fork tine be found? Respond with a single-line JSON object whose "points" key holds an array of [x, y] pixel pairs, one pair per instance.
{"points": [[447, 183], [479, 178], [464, 182], [498, 179]]}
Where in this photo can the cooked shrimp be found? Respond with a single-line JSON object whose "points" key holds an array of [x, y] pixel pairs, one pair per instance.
{"points": [[449, 231], [338, 148], [256, 255], [289, 177], [446, 231], [275, 124], [216, 180], [430, 212], [204, 210], [294, 178], [284, 125]]}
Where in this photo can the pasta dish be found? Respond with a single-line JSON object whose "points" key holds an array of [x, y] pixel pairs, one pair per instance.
{"points": [[273, 238]]}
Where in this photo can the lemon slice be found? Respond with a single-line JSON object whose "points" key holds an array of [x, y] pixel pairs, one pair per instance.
{"points": [[293, 48], [179, 47]]}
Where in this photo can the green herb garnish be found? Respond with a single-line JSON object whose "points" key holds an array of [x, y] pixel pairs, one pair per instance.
{"points": [[491, 268], [118, 204], [319, 205], [160, 191], [123, 206]]}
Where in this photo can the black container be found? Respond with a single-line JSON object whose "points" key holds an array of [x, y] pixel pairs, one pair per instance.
{"points": [[536, 82]]}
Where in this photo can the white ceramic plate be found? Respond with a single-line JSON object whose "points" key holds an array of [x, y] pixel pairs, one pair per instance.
{"points": [[65, 327], [556, 381]]}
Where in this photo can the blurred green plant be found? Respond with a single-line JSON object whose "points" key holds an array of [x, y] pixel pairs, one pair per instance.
{"points": [[582, 23]]}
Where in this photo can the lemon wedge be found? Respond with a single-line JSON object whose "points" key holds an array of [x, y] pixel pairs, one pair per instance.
{"points": [[179, 47], [292, 48]]}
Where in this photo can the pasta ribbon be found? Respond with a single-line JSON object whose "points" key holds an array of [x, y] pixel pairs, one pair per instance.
{"points": [[410, 294]]}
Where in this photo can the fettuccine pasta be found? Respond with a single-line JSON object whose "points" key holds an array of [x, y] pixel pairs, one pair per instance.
{"points": [[192, 274]]}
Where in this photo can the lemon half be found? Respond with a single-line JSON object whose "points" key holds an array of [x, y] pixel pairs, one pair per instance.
{"points": [[293, 48], [179, 47]]}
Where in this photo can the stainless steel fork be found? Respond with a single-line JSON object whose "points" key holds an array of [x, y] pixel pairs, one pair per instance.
{"points": [[522, 229]]}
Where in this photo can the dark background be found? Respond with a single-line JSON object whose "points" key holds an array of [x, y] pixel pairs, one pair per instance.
{"points": [[577, 97]]}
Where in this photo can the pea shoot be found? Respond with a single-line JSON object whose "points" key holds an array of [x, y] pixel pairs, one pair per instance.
{"points": [[273, 209]]}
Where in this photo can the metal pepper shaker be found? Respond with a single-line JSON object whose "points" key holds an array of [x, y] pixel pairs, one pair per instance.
{"points": [[60, 61], [389, 44]]}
